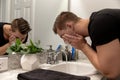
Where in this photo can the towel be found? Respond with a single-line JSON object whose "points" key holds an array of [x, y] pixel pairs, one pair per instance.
{"points": [[42, 74]]}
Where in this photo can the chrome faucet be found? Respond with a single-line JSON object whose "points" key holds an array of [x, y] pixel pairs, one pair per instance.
{"points": [[50, 58], [57, 53], [50, 55]]}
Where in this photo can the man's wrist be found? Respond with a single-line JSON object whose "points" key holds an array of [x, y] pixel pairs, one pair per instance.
{"points": [[84, 46], [9, 44]]}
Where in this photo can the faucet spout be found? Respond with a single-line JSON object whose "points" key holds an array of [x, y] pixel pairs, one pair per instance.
{"points": [[57, 53]]}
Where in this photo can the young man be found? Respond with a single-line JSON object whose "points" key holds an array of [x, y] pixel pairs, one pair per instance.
{"points": [[19, 28], [103, 27]]}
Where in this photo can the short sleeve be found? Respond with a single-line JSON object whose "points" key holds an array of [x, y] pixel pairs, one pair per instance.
{"points": [[104, 28]]}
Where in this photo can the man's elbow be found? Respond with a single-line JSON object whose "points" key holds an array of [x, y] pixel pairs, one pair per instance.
{"points": [[111, 75]]}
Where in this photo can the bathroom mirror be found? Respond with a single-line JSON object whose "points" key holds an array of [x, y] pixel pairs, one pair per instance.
{"points": [[42, 13]]}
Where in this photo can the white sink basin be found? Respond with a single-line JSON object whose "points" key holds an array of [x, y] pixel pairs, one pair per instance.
{"points": [[75, 68]]}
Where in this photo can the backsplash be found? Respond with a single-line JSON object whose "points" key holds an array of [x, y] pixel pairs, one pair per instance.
{"points": [[14, 59]]}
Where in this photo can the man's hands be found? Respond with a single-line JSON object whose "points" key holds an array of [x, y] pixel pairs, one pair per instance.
{"points": [[12, 39], [76, 40]]}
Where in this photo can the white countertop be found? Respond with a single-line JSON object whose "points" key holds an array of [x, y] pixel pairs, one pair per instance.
{"points": [[12, 75]]}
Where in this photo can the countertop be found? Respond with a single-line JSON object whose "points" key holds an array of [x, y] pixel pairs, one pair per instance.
{"points": [[12, 74]]}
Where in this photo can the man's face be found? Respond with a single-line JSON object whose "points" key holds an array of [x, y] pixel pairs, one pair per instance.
{"points": [[18, 35], [68, 30]]}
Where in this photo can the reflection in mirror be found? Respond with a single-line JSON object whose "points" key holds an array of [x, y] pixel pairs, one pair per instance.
{"points": [[2, 10], [42, 13], [40, 17]]}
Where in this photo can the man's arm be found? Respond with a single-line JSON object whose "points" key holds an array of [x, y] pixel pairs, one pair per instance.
{"points": [[107, 58], [4, 48]]}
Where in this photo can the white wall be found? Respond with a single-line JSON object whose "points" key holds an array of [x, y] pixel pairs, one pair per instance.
{"points": [[2, 11], [45, 14], [84, 8], [5, 10]]}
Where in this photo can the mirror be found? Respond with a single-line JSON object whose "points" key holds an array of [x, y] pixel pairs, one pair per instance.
{"points": [[42, 13]]}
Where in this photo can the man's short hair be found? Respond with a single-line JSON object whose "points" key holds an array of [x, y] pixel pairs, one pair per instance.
{"points": [[21, 25], [62, 18]]}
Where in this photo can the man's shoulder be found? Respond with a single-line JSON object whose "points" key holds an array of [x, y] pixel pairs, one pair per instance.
{"points": [[109, 12], [3, 23]]}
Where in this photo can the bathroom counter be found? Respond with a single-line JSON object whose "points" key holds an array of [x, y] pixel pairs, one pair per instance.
{"points": [[12, 74]]}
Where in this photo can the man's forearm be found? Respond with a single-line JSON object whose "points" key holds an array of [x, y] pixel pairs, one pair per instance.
{"points": [[4, 48], [92, 55]]}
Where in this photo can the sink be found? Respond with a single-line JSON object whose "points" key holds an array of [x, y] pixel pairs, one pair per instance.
{"points": [[74, 68]]}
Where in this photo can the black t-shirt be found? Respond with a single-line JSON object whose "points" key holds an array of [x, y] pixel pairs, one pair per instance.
{"points": [[3, 41], [104, 26]]}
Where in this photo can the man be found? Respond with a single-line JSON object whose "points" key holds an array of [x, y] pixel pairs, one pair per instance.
{"points": [[103, 27], [19, 28]]}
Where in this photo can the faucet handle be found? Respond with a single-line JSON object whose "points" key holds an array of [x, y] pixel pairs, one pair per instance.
{"points": [[50, 57]]}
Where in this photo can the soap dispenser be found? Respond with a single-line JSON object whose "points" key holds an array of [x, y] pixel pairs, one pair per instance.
{"points": [[50, 55]]}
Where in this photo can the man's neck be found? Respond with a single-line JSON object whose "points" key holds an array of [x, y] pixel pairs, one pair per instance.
{"points": [[86, 21], [82, 27]]}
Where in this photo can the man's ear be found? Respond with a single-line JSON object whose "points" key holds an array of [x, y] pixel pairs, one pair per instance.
{"points": [[69, 25]]}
